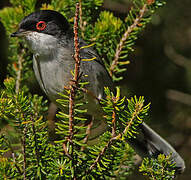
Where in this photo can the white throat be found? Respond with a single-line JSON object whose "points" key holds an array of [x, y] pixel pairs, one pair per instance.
{"points": [[42, 44]]}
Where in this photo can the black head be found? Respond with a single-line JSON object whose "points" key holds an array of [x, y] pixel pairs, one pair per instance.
{"points": [[43, 21]]}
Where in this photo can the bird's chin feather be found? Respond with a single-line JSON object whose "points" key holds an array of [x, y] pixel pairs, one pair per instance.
{"points": [[40, 43]]}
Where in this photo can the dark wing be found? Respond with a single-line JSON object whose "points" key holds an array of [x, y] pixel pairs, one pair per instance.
{"points": [[98, 76], [90, 52]]}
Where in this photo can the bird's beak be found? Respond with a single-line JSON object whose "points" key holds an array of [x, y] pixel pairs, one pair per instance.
{"points": [[19, 33]]}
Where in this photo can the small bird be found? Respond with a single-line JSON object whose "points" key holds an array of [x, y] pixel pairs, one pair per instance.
{"points": [[51, 40]]}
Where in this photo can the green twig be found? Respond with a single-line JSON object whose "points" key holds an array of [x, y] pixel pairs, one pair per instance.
{"points": [[24, 152], [73, 85], [125, 37], [19, 72]]}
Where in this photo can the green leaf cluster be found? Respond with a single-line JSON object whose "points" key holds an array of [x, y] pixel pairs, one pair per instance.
{"points": [[31, 148], [127, 114], [110, 32], [107, 157], [161, 168]]}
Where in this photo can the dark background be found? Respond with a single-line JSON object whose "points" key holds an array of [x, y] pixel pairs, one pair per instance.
{"points": [[160, 70]]}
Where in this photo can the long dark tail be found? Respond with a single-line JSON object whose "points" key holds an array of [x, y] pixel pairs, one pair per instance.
{"points": [[149, 144]]}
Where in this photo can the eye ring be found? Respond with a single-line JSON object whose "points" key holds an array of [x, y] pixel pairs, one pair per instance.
{"points": [[41, 25]]}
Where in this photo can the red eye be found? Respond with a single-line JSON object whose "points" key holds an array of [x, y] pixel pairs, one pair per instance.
{"points": [[41, 25]]}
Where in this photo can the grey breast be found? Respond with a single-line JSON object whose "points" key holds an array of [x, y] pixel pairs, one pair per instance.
{"points": [[53, 73]]}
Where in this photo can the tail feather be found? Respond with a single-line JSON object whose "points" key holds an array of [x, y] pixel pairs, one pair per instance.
{"points": [[149, 144]]}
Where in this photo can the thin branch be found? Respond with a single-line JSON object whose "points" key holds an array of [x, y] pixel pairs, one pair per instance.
{"points": [[114, 124], [73, 85], [111, 141], [66, 150], [88, 131], [114, 136], [14, 160], [178, 59], [13, 156], [101, 154], [125, 37], [19, 72], [138, 108], [130, 122], [37, 153], [114, 101], [81, 20], [74, 81], [77, 49], [179, 96], [24, 152]]}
